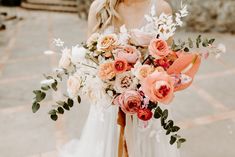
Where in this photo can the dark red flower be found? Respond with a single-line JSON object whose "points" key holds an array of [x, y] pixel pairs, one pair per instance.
{"points": [[144, 114]]}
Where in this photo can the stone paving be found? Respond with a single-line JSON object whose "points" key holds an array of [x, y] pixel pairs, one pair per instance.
{"points": [[206, 111]]}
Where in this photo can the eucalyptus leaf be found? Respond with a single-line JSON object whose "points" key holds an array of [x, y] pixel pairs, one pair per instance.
{"points": [[175, 128], [37, 92], [173, 140], [35, 107], [45, 88], [70, 102], [66, 106], [54, 117], [165, 114], [52, 112], [54, 85], [40, 96], [158, 113], [61, 103], [79, 99], [60, 110]]}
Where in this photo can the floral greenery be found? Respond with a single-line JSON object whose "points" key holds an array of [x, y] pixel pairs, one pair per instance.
{"points": [[60, 106], [186, 46], [168, 125]]}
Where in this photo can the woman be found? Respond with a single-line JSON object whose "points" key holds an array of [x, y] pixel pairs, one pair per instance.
{"points": [[100, 136]]}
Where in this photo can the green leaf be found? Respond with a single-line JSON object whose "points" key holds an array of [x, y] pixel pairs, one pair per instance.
{"points": [[186, 49], [170, 123], [163, 123], [52, 112], [37, 92], [198, 41], [152, 105], [40, 96], [61, 103], [168, 131], [173, 140], [158, 113], [47, 77], [211, 41], [66, 106], [35, 107], [175, 128], [190, 43], [70, 102], [79, 99], [54, 117], [165, 114], [205, 43], [54, 85], [182, 140], [45, 88], [60, 110]]}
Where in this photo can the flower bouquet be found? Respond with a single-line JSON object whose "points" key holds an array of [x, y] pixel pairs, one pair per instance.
{"points": [[138, 70]]}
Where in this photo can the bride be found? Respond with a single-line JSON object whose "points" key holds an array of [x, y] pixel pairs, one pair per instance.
{"points": [[100, 136]]}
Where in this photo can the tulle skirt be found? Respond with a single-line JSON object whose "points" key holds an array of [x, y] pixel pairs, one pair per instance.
{"points": [[100, 137]]}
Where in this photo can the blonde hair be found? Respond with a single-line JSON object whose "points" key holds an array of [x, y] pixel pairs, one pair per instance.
{"points": [[106, 14]]}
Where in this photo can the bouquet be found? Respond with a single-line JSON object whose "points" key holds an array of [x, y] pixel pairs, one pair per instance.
{"points": [[139, 70]]}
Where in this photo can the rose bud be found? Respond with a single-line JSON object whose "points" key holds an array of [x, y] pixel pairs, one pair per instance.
{"points": [[144, 114]]}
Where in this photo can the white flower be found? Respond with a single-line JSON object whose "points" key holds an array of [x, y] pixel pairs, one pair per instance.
{"points": [[73, 85], [92, 39], [47, 82], [48, 52], [65, 60], [107, 42], [78, 54], [123, 36], [58, 42], [221, 48], [125, 81]]}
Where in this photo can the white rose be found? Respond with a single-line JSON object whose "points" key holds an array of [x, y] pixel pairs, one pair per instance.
{"points": [[125, 81], [73, 85], [92, 39], [65, 60], [78, 54], [107, 42]]}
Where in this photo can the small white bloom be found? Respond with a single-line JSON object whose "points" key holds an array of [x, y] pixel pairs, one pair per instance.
{"points": [[65, 59], [221, 48], [92, 39], [48, 52], [78, 54], [123, 36], [218, 55], [58, 42], [47, 82]]}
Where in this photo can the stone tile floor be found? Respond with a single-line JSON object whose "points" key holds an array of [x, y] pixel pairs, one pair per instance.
{"points": [[206, 111]]}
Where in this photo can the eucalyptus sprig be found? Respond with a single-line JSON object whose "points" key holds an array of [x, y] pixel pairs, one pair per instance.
{"points": [[168, 125], [190, 44], [41, 94]]}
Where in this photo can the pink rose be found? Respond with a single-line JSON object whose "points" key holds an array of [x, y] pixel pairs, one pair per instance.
{"points": [[130, 53], [159, 87], [129, 101], [158, 48], [139, 37]]}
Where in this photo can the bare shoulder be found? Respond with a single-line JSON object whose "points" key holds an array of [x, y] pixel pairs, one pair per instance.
{"points": [[92, 21], [163, 7]]}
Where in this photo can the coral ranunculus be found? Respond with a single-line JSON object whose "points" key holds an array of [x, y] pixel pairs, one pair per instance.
{"points": [[187, 64], [158, 48], [144, 114], [159, 87], [129, 101]]}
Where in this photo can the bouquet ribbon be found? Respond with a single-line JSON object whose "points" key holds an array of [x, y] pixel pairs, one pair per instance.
{"points": [[122, 146]]}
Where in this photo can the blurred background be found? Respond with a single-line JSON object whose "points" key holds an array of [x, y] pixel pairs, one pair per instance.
{"points": [[206, 111]]}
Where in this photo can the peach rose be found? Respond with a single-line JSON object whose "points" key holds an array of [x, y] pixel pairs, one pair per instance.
{"points": [[130, 53], [144, 71], [73, 85], [106, 71], [139, 37], [120, 65], [158, 48], [159, 87], [187, 64], [129, 101], [107, 42]]}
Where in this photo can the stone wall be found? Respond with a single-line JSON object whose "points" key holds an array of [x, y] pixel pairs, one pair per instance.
{"points": [[211, 15]]}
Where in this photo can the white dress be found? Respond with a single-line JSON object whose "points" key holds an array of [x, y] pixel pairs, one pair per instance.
{"points": [[100, 135]]}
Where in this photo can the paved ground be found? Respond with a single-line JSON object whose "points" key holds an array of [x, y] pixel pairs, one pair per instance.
{"points": [[206, 111]]}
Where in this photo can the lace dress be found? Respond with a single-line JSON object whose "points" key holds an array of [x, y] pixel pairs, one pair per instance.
{"points": [[100, 135]]}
